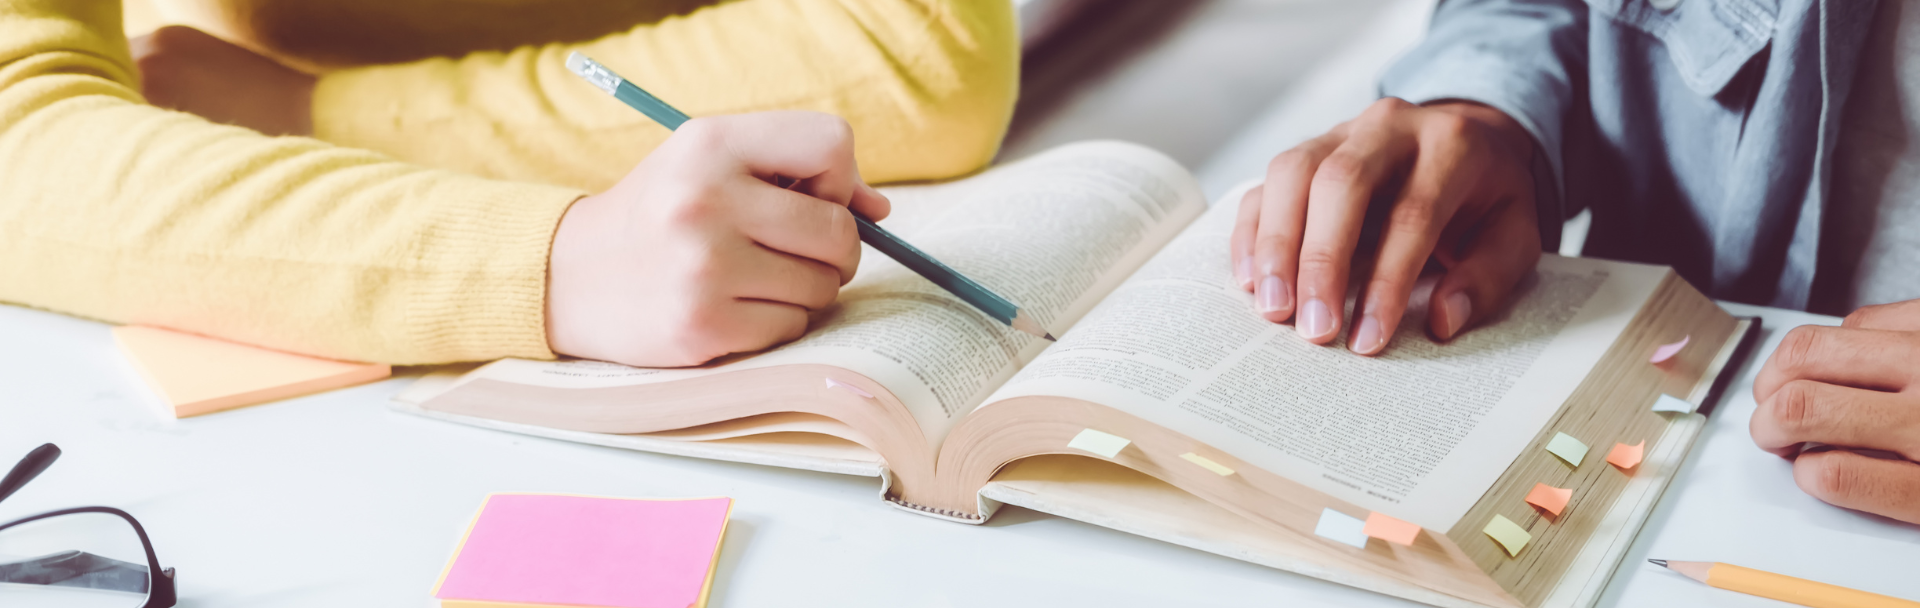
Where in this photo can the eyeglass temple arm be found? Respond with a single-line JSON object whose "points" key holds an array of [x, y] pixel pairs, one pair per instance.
{"points": [[30, 467]]}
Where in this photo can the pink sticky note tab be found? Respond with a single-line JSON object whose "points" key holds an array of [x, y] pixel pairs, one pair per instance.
{"points": [[1391, 530], [832, 383], [585, 551], [1552, 499], [1627, 456], [1667, 351]]}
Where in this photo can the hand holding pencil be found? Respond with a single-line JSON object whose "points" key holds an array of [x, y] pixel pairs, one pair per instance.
{"points": [[693, 256]]}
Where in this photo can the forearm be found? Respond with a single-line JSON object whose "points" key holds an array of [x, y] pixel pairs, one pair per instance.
{"points": [[927, 86], [115, 210]]}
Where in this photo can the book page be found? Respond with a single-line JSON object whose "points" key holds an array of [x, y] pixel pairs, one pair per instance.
{"points": [[1419, 433], [1053, 233]]}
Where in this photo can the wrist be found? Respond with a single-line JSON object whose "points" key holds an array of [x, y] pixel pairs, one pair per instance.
{"points": [[1504, 128]]}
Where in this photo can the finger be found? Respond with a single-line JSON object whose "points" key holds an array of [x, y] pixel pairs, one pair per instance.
{"points": [[1860, 358], [1898, 316], [1283, 224], [1240, 245], [1342, 186], [1413, 227], [750, 325], [1482, 276], [1845, 479], [1804, 411], [764, 274], [810, 146], [801, 225], [869, 203]]}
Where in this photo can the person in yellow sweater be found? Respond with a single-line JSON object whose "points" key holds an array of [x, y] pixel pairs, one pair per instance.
{"points": [[438, 220]]}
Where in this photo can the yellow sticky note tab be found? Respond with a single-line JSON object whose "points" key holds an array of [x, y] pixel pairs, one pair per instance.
{"points": [[1567, 448], [1510, 535], [1107, 446], [1552, 499], [1627, 456], [1207, 464], [1391, 530], [197, 374]]}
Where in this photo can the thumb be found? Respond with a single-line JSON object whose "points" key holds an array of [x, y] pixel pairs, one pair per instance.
{"points": [[1483, 276]]}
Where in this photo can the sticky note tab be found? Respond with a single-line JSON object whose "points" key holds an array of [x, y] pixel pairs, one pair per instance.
{"points": [[198, 375], [1553, 499], [1567, 448], [1510, 535], [1106, 445], [1667, 351], [1670, 403], [832, 383], [1390, 529], [1342, 528], [537, 549], [1627, 456], [1207, 464]]}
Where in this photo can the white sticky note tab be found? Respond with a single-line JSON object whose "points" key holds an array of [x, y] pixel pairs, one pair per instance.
{"points": [[832, 383], [1210, 465], [1342, 528], [1107, 446], [1670, 403], [1567, 448]]}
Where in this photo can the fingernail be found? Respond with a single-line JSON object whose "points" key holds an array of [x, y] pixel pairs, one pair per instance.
{"points": [[1368, 338], [1314, 320], [1458, 309], [1243, 271], [1273, 294]]}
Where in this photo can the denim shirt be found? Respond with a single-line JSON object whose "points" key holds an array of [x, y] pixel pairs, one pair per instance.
{"points": [[1699, 132]]}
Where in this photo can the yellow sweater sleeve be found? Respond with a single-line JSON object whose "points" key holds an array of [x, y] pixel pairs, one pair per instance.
{"points": [[928, 86], [119, 211]]}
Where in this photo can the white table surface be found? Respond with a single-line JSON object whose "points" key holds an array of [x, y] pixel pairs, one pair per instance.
{"points": [[334, 500]]}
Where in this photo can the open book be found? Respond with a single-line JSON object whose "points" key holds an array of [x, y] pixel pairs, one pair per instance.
{"points": [[1233, 434]]}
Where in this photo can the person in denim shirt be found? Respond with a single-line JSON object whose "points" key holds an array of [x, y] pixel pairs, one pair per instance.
{"points": [[1757, 146]]}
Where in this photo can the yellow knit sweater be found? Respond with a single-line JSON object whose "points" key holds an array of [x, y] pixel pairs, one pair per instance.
{"points": [[119, 211]]}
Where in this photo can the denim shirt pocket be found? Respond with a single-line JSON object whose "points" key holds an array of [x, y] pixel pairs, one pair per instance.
{"points": [[1708, 40]]}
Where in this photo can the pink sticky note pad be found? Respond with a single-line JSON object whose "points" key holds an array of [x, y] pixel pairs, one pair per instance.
{"points": [[584, 551], [1627, 456], [1667, 351], [1391, 530], [1552, 499]]}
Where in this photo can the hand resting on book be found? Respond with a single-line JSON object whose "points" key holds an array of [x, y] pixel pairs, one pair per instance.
{"points": [[695, 255], [1854, 387], [1464, 199]]}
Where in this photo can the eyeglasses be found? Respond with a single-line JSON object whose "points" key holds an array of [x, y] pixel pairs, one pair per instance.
{"points": [[76, 558]]}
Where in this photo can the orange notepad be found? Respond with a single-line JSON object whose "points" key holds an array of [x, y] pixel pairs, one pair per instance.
{"points": [[197, 375], [555, 551]]}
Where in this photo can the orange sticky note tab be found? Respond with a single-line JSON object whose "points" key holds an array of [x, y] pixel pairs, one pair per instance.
{"points": [[1391, 530], [1627, 456], [197, 375], [1553, 499]]}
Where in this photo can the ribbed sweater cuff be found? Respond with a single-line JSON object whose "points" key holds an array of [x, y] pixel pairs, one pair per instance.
{"points": [[484, 290]]}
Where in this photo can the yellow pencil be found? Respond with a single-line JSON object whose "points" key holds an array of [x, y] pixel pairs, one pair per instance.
{"points": [[1781, 587]]}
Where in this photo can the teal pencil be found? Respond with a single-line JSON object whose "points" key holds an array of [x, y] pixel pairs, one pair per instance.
{"points": [[993, 304]]}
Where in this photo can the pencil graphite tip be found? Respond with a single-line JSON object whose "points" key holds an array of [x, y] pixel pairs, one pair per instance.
{"points": [[1026, 323], [1050, 338], [1658, 562]]}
